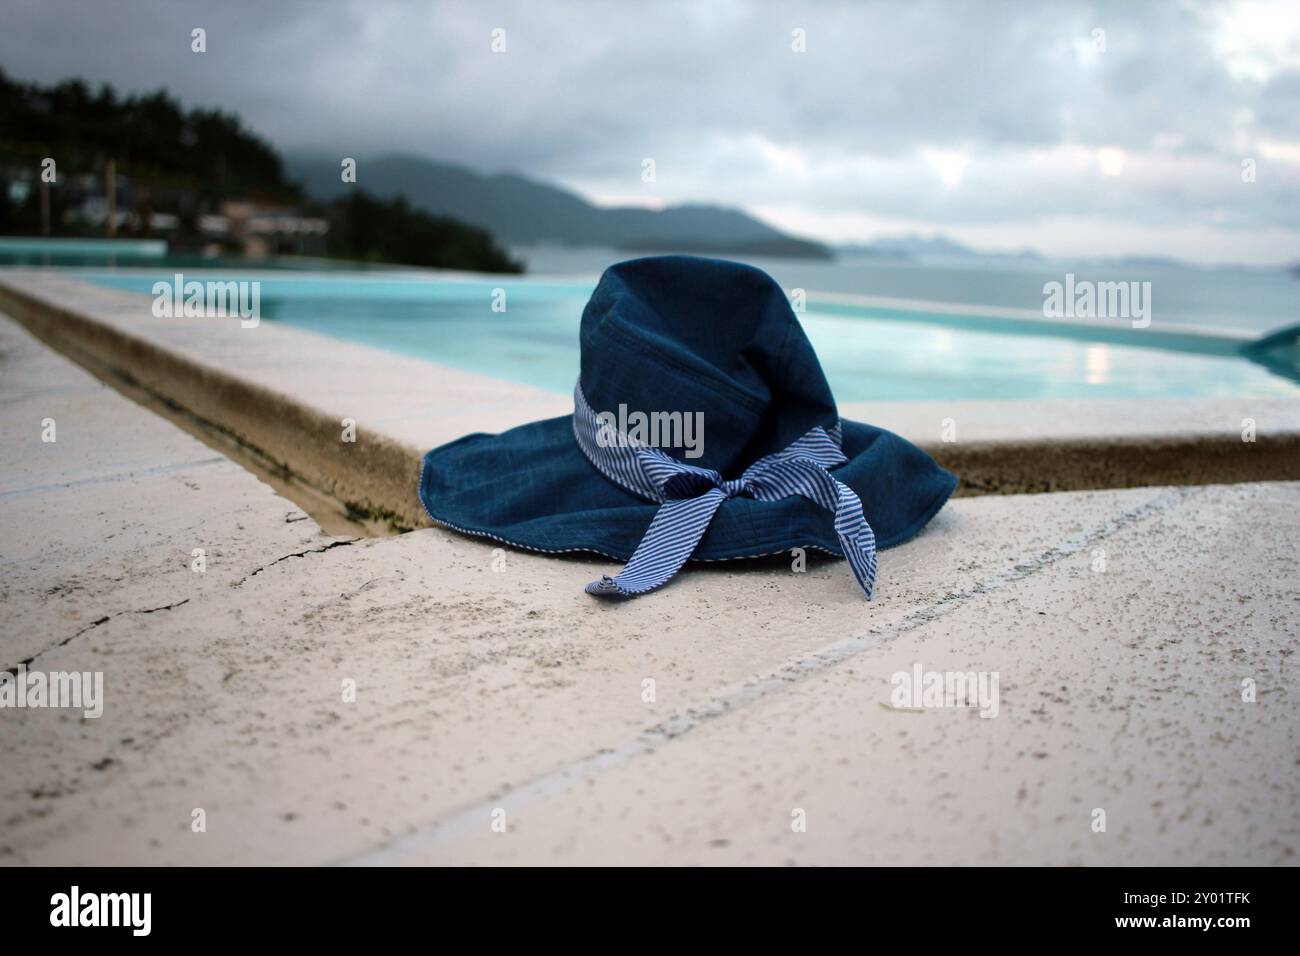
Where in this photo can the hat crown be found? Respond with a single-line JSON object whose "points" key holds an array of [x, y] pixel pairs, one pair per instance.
{"points": [[688, 335]]}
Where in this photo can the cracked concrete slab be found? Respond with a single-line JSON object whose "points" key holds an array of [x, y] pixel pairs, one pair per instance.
{"points": [[104, 520], [1122, 624]]}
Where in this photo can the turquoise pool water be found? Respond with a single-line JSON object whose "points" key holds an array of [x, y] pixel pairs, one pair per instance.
{"points": [[870, 353]]}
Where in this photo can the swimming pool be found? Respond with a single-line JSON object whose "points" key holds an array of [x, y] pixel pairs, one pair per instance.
{"points": [[870, 351]]}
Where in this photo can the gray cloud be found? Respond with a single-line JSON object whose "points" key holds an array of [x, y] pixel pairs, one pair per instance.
{"points": [[854, 135]]}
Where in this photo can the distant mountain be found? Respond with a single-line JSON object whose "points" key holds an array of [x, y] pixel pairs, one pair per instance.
{"points": [[520, 210], [914, 246]]}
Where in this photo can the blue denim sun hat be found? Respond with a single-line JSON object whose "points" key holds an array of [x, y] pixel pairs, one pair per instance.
{"points": [[703, 429]]}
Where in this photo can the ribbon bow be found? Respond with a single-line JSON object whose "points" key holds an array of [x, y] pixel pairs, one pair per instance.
{"points": [[690, 496]]}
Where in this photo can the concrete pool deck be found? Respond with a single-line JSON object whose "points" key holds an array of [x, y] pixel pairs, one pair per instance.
{"points": [[490, 689]]}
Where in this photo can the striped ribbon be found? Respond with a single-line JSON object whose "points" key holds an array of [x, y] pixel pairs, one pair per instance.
{"points": [[690, 496]]}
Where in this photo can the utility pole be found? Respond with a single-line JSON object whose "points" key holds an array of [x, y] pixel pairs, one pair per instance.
{"points": [[111, 177]]}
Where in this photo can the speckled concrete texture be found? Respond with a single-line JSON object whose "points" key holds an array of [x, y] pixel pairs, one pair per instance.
{"points": [[491, 691]]}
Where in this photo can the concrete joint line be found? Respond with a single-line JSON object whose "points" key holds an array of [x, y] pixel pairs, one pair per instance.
{"points": [[128, 474], [463, 822]]}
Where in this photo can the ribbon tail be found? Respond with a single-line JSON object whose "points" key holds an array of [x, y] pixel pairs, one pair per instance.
{"points": [[856, 537], [809, 477], [670, 540]]}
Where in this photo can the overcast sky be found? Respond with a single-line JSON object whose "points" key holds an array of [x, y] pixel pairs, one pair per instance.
{"points": [[1076, 128]]}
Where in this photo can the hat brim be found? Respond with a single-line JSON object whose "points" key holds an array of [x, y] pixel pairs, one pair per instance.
{"points": [[532, 487]]}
